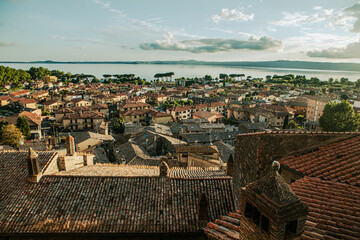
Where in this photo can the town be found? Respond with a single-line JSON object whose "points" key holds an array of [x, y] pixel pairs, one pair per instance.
{"points": [[217, 157]]}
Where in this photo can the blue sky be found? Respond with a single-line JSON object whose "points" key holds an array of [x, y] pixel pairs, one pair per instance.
{"points": [[227, 30]]}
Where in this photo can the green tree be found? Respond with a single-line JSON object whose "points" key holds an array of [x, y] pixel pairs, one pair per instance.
{"points": [[339, 117], [357, 83], [300, 119], [292, 125], [344, 96], [11, 135], [3, 125], [23, 125], [118, 126]]}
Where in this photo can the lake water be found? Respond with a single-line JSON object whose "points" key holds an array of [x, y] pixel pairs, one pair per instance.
{"points": [[148, 71]]}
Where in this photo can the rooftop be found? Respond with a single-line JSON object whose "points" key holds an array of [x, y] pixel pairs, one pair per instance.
{"points": [[338, 161]]}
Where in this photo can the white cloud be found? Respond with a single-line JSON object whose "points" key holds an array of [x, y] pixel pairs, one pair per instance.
{"points": [[104, 4], [211, 45], [310, 41], [232, 15], [300, 18], [352, 50], [354, 12]]}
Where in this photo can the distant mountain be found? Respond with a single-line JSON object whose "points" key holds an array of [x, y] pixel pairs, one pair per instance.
{"points": [[267, 64]]}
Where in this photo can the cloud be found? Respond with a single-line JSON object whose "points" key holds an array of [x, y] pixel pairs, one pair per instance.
{"points": [[211, 45], [354, 12], [104, 4], [300, 18], [83, 40], [6, 44], [232, 15], [351, 50]]}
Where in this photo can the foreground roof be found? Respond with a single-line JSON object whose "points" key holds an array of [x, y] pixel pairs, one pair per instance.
{"points": [[338, 161], [333, 214], [114, 205], [334, 208]]}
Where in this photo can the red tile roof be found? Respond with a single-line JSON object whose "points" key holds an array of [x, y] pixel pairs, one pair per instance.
{"points": [[18, 93], [180, 108], [134, 105], [217, 104], [234, 226], [334, 213], [85, 115], [338, 161], [334, 208], [28, 101]]}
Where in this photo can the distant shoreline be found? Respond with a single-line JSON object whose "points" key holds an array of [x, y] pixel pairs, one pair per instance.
{"points": [[355, 67]]}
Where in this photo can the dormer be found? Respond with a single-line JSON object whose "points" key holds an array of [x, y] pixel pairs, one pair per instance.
{"points": [[202, 208], [164, 168], [273, 207]]}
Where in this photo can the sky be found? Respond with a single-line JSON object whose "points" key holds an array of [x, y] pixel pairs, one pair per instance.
{"points": [[207, 30]]}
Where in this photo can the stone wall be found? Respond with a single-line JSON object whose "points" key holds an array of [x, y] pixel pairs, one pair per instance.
{"points": [[255, 152]]}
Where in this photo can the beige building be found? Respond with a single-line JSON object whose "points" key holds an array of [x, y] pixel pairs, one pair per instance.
{"points": [[50, 78], [53, 105], [85, 141], [179, 113], [315, 107], [133, 106], [199, 156], [82, 121]]}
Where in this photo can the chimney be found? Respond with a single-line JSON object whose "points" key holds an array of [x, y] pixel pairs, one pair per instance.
{"points": [[272, 206], [70, 145], [202, 208], [164, 168], [230, 166], [32, 160]]}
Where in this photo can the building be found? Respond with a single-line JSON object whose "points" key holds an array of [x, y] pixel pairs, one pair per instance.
{"points": [[53, 105], [315, 107], [50, 78], [180, 112], [86, 141], [21, 93], [33, 120], [82, 121], [212, 117], [310, 208], [133, 106], [48, 195]]}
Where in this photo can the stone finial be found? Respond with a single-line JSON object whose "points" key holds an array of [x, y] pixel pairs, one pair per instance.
{"points": [[202, 207], [123, 159], [276, 166], [164, 168], [32, 154]]}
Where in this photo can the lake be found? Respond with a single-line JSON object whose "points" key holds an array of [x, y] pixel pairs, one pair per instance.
{"points": [[148, 71]]}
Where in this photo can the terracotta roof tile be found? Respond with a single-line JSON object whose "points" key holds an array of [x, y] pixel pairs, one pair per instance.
{"points": [[333, 208], [338, 161]]}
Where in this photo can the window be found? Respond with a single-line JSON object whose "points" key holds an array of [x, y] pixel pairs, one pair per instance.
{"points": [[291, 228], [265, 223], [255, 216]]}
